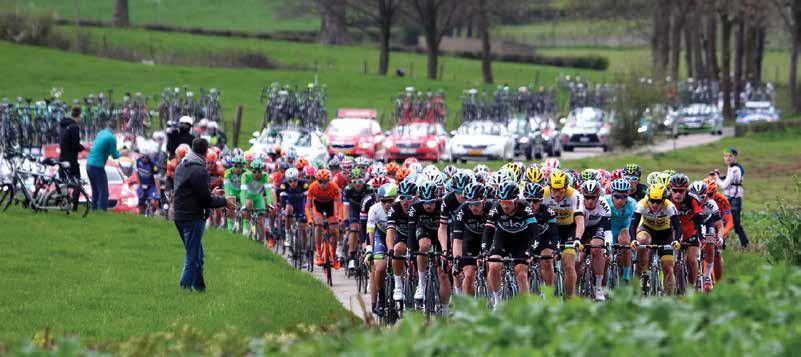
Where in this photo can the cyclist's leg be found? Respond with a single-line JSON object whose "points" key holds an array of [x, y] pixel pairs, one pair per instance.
{"points": [[422, 261], [231, 213], [566, 235], [141, 196], [691, 260], [246, 212], [353, 237], [625, 255], [666, 258], [709, 255], [718, 265], [494, 270], [333, 230], [377, 282], [598, 261], [643, 254]]}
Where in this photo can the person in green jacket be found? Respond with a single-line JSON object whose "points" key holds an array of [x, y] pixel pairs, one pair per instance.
{"points": [[105, 145]]}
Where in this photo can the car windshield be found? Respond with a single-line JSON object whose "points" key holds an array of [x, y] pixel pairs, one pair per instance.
{"points": [[696, 110], [481, 128], [349, 127], [586, 115], [287, 137], [518, 126], [416, 129]]}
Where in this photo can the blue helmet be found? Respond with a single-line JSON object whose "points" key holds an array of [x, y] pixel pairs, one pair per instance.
{"points": [[408, 188], [620, 185], [474, 191], [508, 191], [428, 191], [388, 190], [533, 190], [460, 180]]}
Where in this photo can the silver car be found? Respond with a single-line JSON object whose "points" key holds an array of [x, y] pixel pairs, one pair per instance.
{"points": [[586, 127]]}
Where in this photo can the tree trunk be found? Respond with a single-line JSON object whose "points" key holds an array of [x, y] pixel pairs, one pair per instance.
{"points": [[759, 53], [121, 18], [725, 57], [660, 41], [689, 48], [698, 49], [433, 58], [739, 39], [713, 68], [469, 24], [793, 73], [333, 30], [486, 51], [383, 56], [678, 26]]}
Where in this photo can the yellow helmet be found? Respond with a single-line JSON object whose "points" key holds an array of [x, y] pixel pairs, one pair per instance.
{"points": [[514, 169], [558, 179], [534, 175], [657, 192]]}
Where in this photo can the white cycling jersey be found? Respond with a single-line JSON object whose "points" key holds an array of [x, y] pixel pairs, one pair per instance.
{"points": [[594, 216]]}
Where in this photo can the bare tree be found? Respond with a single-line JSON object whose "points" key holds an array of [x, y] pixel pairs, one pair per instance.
{"points": [[381, 14], [121, 18], [728, 10], [333, 27], [790, 12], [484, 31], [436, 18]]}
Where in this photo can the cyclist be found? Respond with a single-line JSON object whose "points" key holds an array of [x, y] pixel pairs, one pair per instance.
{"points": [[252, 191], [377, 232], [511, 231], [148, 190], [216, 179], [633, 173], [398, 232], [450, 202], [597, 232], [689, 212], [569, 207], [622, 207], [323, 203], [659, 224], [232, 183], [712, 228], [337, 177], [468, 231], [726, 216], [546, 219], [353, 196], [423, 226], [292, 195]]}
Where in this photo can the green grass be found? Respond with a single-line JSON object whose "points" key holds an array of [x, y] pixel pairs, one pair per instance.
{"points": [[242, 15], [109, 276]]}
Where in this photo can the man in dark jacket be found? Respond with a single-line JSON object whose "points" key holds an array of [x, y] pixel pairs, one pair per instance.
{"points": [[192, 198], [70, 141], [180, 135]]}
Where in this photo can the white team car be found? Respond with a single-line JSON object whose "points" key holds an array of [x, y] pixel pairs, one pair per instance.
{"points": [[482, 139], [307, 143]]}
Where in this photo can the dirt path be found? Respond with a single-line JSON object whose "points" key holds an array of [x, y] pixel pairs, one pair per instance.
{"points": [[663, 146]]}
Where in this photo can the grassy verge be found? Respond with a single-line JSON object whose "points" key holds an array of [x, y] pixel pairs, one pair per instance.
{"points": [[242, 15], [108, 277]]}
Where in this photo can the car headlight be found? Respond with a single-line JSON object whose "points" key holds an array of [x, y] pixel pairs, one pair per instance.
{"points": [[388, 143], [365, 145], [604, 131], [523, 140], [642, 129], [431, 144]]}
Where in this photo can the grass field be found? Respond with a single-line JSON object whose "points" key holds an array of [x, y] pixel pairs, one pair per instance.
{"points": [[109, 276], [242, 15]]}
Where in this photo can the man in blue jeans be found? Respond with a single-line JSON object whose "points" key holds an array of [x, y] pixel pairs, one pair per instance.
{"points": [[105, 145], [732, 186], [192, 198]]}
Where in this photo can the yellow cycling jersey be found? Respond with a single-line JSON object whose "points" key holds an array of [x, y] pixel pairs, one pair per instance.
{"points": [[565, 209], [659, 220]]}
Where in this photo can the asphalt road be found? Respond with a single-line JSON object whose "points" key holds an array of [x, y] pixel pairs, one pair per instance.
{"points": [[683, 141]]}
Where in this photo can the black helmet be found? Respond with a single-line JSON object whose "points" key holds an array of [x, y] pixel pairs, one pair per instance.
{"points": [[460, 180], [508, 191], [533, 190], [428, 191], [408, 188], [474, 192], [679, 180]]}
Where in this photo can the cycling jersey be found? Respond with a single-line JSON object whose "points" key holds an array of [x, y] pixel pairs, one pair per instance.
{"points": [[398, 220], [216, 176], [620, 219], [659, 220], [449, 205], [339, 179], [232, 182], [549, 236], [570, 206], [145, 171], [512, 235], [319, 194], [294, 196], [469, 228], [423, 224], [689, 213], [253, 188], [352, 198], [710, 212], [596, 222], [367, 202], [638, 192], [277, 178], [725, 212], [377, 223]]}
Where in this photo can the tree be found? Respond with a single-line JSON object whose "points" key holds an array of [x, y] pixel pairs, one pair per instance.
{"points": [[333, 27], [486, 50], [121, 18], [382, 14], [790, 12], [436, 18]]}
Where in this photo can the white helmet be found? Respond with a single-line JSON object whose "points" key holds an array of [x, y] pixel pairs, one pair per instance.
{"points": [[212, 125], [203, 123], [186, 120], [291, 173]]}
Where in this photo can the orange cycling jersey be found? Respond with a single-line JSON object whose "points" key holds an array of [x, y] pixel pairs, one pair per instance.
{"points": [[687, 210], [216, 175], [319, 194], [277, 178], [171, 165], [725, 212], [339, 179]]}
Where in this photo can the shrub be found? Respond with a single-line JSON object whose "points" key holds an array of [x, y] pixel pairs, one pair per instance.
{"points": [[29, 30], [585, 62], [784, 243]]}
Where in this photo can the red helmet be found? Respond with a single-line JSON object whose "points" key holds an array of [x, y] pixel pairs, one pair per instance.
{"points": [[301, 163], [379, 181], [616, 175], [309, 171], [323, 175], [402, 173], [181, 151], [249, 157], [211, 157], [409, 161]]}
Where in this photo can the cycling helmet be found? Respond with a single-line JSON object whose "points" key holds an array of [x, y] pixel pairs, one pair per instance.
{"points": [[185, 120], [474, 191], [491, 192], [211, 157], [711, 185], [552, 163], [698, 190], [533, 190], [407, 188], [481, 168], [533, 175], [620, 185], [616, 175], [237, 152], [508, 191], [257, 166], [657, 192], [356, 173], [339, 156], [409, 161], [632, 170], [450, 170], [558, 179], [460, 180], [387, 190], [679, 180], [249, 157], [416, 167], [670, 172], [392, 168], [591, 188], [481, 176], [379, 171], [323, 175], [360, 161], [428, 191], [333, 164], [589, 174], [514, 169], [379, 181], [430, 168], [309, 171], [283, 165], [292, 174], [301, 163], [652, 178], [181, 151], [347, 165], [495, 179], [402, 173], [664, 179]]}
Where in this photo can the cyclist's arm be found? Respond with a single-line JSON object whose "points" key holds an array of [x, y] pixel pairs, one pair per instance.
{"points": [[578, 218], [243, 189], [675, 225], [487, 236], [633, 227], [729, 223]]}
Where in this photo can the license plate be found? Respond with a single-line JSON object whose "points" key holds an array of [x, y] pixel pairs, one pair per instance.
{"points": [[693, 125], [408, 151], [475, 152], [584, 139]]}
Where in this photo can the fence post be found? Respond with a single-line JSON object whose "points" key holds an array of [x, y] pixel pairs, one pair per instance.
{"points": [[364, 68], [441, 69], [411, 69], [237, 125]]}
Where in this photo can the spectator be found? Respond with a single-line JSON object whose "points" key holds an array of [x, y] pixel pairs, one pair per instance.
{"points": [[180, 135], [192, 198], [732, 186], [200, 129], [216, 137], [70, 141], [105, 145]]}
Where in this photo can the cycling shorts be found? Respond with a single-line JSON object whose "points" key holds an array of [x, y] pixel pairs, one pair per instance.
{"points": [[145, 194], [660, 237], [298, 210], [258, 203], [590, 233], [380, 244], [509, 245], [353, 214], [423, 233], [566, 233], [548, 239], [471, 246], [326, 209]]}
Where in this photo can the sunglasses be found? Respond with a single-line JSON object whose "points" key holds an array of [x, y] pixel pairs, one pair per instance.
{"points": [[406, 197], [591, 198], [619, 197], [632, 178], [678, 190], [428, 202], [655, 201], [357, 182], [322, 182], [386, 202], [291, 181], [532, 200], [472, 203], [710, 195], [506, 201]]}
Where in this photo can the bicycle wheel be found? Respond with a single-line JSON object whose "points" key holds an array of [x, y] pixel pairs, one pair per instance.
{"points": [[614, 275], [586, 283], [559, 286], [6, 193], [681, 278], [431, 296], [655, 282]]}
